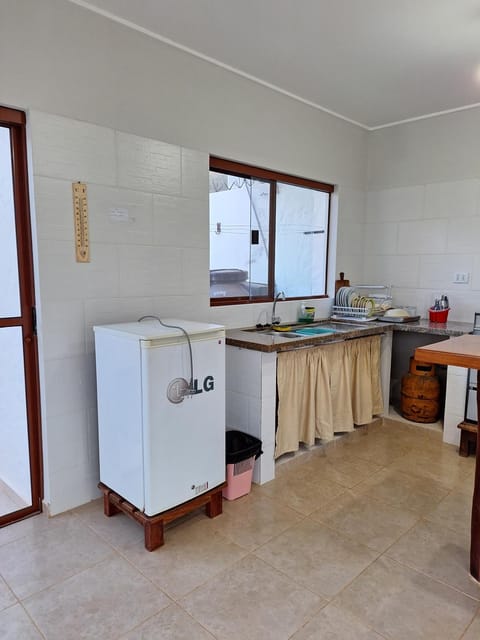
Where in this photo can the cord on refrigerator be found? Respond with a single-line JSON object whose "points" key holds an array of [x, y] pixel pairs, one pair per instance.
{"points": [[179, 391]]}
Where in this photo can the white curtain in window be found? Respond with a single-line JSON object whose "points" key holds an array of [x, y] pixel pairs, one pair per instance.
{"points": [[326, 390]]}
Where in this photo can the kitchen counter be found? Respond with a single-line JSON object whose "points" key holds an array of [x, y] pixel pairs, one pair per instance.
{"points": [[259, 341], [251, 372]]}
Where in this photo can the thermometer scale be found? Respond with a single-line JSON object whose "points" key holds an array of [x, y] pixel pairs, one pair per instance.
{"points": [[80, 214]]}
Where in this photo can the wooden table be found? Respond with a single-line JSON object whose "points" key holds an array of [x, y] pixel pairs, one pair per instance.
{"points": [[463, 351]]}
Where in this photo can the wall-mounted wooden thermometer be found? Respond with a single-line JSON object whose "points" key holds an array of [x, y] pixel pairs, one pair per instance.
{"points": [[80, 216]]}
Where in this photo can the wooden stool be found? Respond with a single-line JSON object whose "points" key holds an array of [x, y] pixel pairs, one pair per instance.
{"points": [[153, 525], [468, 437]]}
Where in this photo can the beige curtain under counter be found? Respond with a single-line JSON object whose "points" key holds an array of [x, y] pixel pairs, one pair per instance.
{"points": [[326, 390]]}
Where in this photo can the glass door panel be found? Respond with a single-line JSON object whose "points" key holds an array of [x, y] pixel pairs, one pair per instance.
{"points": [[15, 489], [9, 283], [20, 443]]}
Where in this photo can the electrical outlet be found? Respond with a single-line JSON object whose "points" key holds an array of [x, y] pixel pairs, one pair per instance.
{"points": [[461, 277]]}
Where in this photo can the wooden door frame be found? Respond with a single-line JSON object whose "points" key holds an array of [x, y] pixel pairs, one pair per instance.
{"points": [[15, 120]]}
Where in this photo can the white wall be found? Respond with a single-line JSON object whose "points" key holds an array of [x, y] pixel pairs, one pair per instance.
{"points": [[423, 211], [107, 81]]}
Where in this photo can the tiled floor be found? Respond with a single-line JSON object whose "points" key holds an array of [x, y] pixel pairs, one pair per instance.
{"points": [[367, 539]]}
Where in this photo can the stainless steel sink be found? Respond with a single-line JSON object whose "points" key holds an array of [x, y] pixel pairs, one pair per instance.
{"points": [[302, 330]]}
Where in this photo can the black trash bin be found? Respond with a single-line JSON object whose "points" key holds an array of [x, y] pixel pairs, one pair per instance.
{"points": [[241, 451]]}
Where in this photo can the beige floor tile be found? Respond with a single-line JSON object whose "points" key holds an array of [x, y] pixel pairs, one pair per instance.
{"points": [[380, 450], [16, 625], [439, 552], [345, 472], [444, 466], [252, 600], [312, 526], [302, 494], [253, 520], [333, 623], [454, 512], [193, 553], [373, 523], [102, 602], [35, 562], [316, 557], [291, 461], [473, 631], [401, 489], [173, 623], [403, 604], [33, 526], [7, 598], [118, 530]]}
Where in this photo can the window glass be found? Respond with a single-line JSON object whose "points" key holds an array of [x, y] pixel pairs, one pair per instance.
{"points": [[239, 236], [301, 241], [268, 233]]}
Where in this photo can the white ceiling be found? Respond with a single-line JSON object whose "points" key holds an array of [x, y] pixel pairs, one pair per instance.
{"points": [[374, 62]]}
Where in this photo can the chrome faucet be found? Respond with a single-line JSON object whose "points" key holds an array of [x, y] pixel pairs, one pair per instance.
{"points": [[276, 319]]}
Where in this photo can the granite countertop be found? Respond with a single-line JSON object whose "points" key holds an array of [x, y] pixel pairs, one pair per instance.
{"points": [[248, 338]]}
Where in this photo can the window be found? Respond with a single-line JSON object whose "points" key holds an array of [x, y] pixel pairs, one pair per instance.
{"points": [[268, 233]]}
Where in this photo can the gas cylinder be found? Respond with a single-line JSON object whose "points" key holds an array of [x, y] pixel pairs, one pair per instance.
{"points": [[420, 393]]}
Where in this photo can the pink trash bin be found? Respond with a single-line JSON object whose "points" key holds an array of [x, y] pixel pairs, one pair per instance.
{"points": [[241, 451]]}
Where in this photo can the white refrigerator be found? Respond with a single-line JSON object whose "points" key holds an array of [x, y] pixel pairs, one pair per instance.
{"points": [[161, 410]]}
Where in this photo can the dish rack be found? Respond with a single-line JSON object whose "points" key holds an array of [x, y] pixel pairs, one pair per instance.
{"points": [[376, 300]]}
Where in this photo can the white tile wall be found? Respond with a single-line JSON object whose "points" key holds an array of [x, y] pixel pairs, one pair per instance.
{"points": [[149, 271], [463, 234], [69, 385], [68, 440], [72, 150], [436, 271], [449, 199], [149, 256], [351, 233], [422, 236], [120, 216], [62, 326], [417, 238], [395, 205], [148, 165], [251, 401], [53, 199], [62, 278], [432, 232], [396, 270], [381, 238], [177, 221], [195, 168]]}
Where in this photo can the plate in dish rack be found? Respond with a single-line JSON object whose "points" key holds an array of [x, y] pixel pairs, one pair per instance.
{"points": [[347, 318], [399, 319]]}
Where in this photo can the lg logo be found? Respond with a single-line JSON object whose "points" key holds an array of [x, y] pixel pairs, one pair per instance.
{"points": [[208, 385]]}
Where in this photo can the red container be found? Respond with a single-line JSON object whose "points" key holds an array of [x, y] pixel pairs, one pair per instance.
{"points": [[438, 316]]}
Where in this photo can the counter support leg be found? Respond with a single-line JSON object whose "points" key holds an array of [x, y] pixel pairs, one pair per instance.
{"points": [[475, 539]]}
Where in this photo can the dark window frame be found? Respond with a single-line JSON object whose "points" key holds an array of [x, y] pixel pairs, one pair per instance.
{"points": [[242, 170]]}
